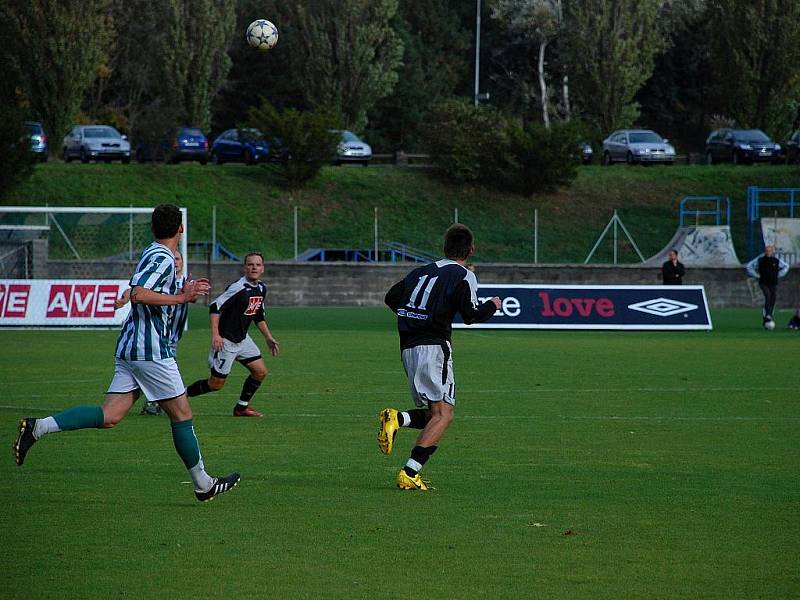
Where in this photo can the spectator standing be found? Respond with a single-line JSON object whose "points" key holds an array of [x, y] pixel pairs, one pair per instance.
{"points": [[672, 271], [768, 268]]}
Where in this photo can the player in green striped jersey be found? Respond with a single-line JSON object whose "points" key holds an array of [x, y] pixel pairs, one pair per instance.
{"points": [[145, 362]]}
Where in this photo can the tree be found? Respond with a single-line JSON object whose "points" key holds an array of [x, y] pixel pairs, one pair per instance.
{"points": [[756, 61], [349, 56], [435, 40], [676, 97], [304, 140], [193, 54], [468, 143], [16, 159], [132, 60], [54, 47], [612, 45], [536, 22], [274, 74]]}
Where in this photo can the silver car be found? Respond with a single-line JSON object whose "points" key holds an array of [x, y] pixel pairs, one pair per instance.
{"points": [[637, 146], [96, 142], [353, 149]]}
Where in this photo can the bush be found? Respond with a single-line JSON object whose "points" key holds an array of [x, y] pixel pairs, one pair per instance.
{"points": [[303, 141], [480, 144], [468, 143], [543, 159]]}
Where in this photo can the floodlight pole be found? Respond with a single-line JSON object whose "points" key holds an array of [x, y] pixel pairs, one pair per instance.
{"points": [[376, 234], [295, 235], [214, 232], [477, 49]]}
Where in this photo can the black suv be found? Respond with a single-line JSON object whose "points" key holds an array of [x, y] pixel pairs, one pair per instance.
{"points": [[741, 146]]}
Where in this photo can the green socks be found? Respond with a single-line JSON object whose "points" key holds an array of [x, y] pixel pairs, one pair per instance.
{"points": [[186, 442], [80, 417], [189, 450]]}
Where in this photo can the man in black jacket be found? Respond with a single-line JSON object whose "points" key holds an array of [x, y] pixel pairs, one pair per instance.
{"points": [[672, 271], [425, 303], [768, 268]]}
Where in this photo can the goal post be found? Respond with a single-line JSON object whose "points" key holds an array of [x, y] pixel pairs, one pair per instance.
{"points": [[63, 266]]}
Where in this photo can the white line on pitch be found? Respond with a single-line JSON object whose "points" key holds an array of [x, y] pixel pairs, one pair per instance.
{"points": [[341, 416]]}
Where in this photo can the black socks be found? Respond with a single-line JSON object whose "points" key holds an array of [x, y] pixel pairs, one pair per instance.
{"points": [[419, 418], [198, 388], [419, 456], [249, 388]]}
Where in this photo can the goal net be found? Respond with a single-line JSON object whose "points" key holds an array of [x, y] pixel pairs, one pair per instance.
{"points": [[64, 266]]}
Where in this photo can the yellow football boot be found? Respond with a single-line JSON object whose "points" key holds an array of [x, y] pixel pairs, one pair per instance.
{"points": [[404, 482], [389, 426]]}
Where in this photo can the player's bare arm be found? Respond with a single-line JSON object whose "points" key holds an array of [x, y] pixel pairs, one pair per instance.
{"points": [[123, 300], [217, 341], [193, 289], [272, 343]]}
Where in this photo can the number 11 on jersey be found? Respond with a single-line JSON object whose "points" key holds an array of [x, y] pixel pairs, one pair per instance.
{"points": [[425, 295]]}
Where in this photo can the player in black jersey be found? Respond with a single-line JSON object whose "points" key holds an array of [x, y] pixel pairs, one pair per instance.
{"points": [[241, 303], [425, 303]]}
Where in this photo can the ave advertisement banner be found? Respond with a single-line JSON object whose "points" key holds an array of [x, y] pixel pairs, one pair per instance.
{"points": [[61, 302], [645, 307]]}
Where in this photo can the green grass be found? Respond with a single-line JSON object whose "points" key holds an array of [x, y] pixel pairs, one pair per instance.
{"points": [[581, 465], [414, 207]]}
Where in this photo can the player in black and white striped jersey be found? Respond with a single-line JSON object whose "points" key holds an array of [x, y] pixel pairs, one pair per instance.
{"points": [[425, 302]]}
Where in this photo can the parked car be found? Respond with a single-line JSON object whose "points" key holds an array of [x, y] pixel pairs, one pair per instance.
{"points": [[96, 142], [185, 143], [637, 146], [741, 146], [38, 139], [240, 145], [586, 153], [791, 149], [353, 149]]}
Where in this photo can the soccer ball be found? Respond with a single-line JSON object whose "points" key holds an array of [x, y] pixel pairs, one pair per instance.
{"points": [[262, 34], [769, 325]]}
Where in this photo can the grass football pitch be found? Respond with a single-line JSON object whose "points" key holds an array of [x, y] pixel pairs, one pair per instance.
{"points": [[580, 465]]}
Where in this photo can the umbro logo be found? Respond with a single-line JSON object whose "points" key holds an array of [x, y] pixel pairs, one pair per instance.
{"points": [[663, 307]]}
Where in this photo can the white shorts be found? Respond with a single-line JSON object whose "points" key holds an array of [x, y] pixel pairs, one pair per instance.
{"points": [[221, 361], [157, 379], [430, 374]]}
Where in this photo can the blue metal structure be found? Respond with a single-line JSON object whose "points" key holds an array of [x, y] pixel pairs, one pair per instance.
{"points": [[715, 206], [393, 252], [207, 249], [759, 199]]}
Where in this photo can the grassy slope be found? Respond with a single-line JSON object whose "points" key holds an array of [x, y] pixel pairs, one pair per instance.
{"points": [[659, 466], [414, 207]]}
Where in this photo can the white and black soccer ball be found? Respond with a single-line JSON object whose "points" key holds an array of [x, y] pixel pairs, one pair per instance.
{"points": [[769, 324], [262, 34]]}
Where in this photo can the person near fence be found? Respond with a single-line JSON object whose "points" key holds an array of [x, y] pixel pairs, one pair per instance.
{"points": [[425, 302], [672, 271], [231, 313], [768, 268], [144, 361]]}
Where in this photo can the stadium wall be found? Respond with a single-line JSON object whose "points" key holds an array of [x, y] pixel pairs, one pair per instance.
{"points": [[364, 284]]}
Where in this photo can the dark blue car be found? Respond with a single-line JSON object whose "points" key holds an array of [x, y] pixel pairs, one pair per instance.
{"points": [[186, 143], [38, 138], [240, 145]]}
